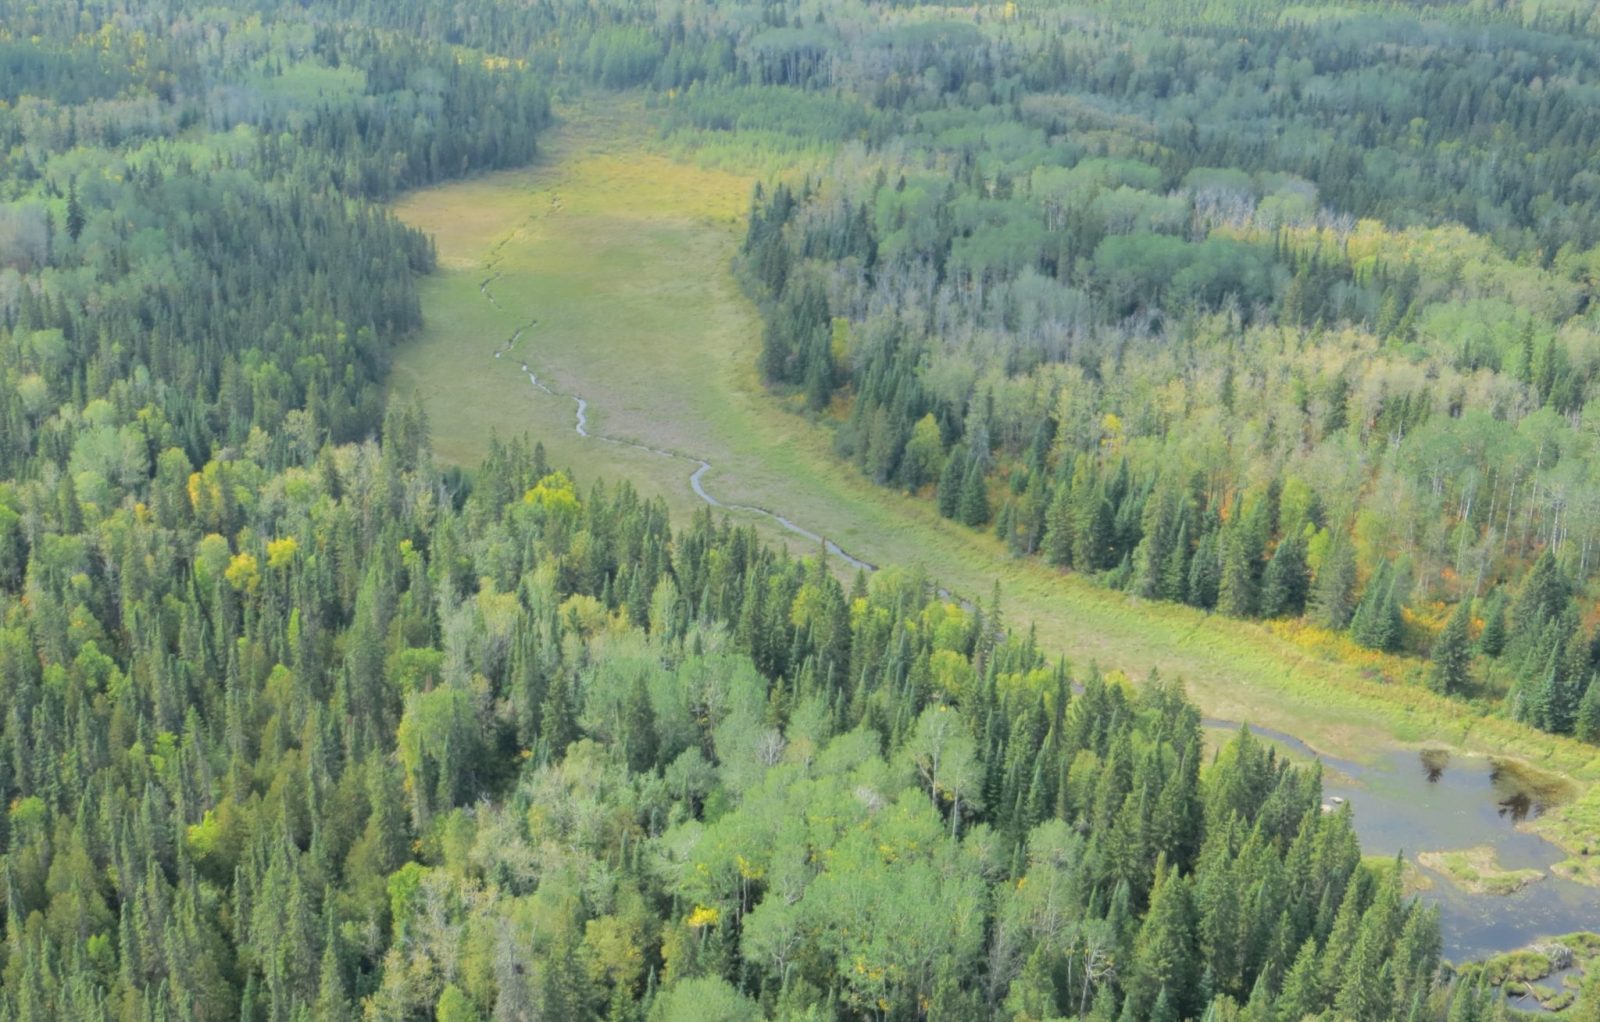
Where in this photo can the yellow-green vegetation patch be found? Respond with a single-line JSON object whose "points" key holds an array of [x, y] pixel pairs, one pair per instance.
{"points": [[1576, 828], [1559, 1001], [1517, 973], [1517, 967], [1583, 944], [1478, 871]]}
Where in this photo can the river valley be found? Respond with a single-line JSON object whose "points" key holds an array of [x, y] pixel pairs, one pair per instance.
{"points": [[587, 302]]}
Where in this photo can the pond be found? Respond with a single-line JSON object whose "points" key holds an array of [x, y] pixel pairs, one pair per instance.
{"points": [[1412, 801]]}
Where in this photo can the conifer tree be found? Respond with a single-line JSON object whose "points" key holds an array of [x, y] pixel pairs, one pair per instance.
{"points": [[1058, 533], [1492, 641], [1205, 573], [1376, 623], [75, 217], [640, 730], [1452, 653], [1302, 987], [1174, 583], [1285, 581], [1236, 593], [1333, 590], [1587, 724], [1166, 955], [951, 480], [974, 506]]}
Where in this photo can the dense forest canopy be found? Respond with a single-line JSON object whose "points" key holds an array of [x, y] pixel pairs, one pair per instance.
{"points": [[1289, 324], [1277, 310]]}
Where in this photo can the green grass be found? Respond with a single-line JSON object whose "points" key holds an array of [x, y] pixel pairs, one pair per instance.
{"points": [[621, 254], [1516, 966], [1477, 871]]}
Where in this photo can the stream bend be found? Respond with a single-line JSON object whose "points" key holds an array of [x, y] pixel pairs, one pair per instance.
{"points": [[701, 465]]}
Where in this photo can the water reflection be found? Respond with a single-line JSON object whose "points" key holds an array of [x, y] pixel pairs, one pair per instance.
{"points": [[1409, 801], [1518, 807], [1518, 795], [1521, 798], [1433, 763]]}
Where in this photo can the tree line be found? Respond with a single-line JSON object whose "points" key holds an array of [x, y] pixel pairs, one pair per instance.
{"points": [[1210, 369]]}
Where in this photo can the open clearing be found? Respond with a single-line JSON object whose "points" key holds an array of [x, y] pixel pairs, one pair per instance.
{"points": [[618, 256]]}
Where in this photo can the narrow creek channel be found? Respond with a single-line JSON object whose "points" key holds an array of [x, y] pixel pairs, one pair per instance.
{"points": [[701, 465]]}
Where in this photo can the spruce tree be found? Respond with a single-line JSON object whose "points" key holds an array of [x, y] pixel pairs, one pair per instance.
{"points": [[75, 217], [1285, 581], [1205, 573], [1587, 725], [1175, 572], [1094, 529], [1149, 559], [1166, 953], [1236, 594], [1376, 623], [1452, 653], [558, 719], [1367, 991], [1492, 642], [1333, 591], [974, 508], [1471, 1002], [950, 481], [642, 741], [1555, 700], [1058, 537], [1543, 598]]}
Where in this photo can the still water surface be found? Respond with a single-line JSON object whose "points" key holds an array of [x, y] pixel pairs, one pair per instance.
{"points": [[1410, 801]]}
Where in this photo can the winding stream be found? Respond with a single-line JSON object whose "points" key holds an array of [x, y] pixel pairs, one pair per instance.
{"points": [[702, 466], [1404, 803]]}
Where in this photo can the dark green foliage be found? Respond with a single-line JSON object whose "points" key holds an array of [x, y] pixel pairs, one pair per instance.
{"points": [[1376, 622], [1205, 573], [1333, 592], [972, 509], [951, 482], [661, 749], [1587, 725], [1238, 591], [1286, 582], [1452, 653], [1492, 640]]}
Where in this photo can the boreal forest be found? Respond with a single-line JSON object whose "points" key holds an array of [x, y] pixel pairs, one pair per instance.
{"points": [[1127, 374]]}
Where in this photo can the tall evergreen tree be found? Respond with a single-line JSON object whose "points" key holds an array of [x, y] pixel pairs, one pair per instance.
{"points": [[1166, 954], [1286, 581], [951, 481], [974, 505], [1333, 589], [1376, 622], [1452, 653]]}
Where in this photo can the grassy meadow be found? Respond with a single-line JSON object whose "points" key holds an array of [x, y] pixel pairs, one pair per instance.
{"points": [[617, 252]]}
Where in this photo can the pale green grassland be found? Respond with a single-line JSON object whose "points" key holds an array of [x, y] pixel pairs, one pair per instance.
{"points": [[621, 254]]}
